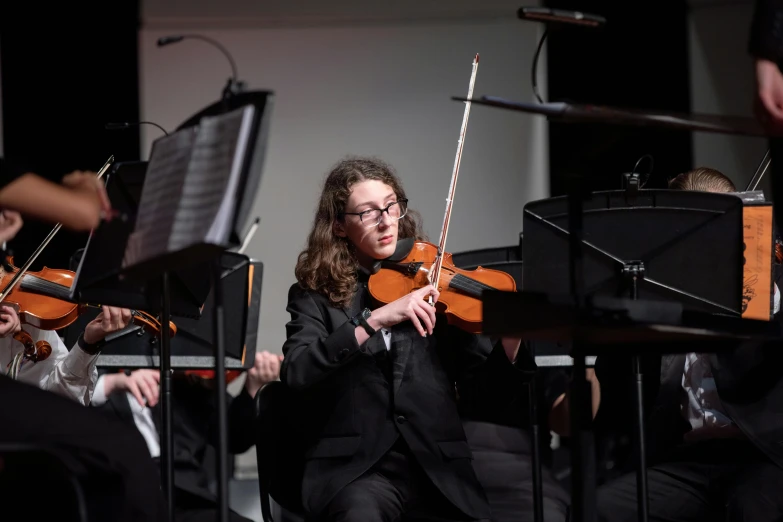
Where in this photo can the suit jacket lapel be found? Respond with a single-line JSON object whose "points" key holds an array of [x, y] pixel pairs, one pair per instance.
{"points": [[401, 344]]}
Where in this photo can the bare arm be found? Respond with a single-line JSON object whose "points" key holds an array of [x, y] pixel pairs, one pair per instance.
{"points": [[77, 205]]}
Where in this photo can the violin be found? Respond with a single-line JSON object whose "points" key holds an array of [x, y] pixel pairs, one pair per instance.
{"points": [[416, 264], [207, 377], [41, 299]]}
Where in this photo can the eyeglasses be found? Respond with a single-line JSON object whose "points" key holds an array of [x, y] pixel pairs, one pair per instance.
{"points": [[372, 217]]}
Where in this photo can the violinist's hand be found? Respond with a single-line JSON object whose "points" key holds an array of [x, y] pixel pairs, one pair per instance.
{"points": [[10, 224], [142, 384], [88, 182], [413, 307], [511, 347], [9, 321], [265, 370], [769, 95], [111, 319]]}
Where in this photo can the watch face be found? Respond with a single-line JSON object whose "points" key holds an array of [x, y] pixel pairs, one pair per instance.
{"points": [[366, 313]]}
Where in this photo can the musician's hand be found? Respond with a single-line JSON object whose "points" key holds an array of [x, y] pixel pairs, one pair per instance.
{"points": [[10, 224], [413, 307], [511, 347], [9, 321], [142, 384], [111, 319], [89, 183], [265, 370], [769, 95]]}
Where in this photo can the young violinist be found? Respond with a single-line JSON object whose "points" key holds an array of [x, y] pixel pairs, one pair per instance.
{"points": [[122, 484], [69, 373], [380, 382]]}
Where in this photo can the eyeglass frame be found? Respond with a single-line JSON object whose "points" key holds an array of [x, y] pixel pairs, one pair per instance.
{"points": [[380, 217]]}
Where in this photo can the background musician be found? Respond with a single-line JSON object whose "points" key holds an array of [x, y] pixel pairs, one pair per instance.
{"points": [[70, 373], [134, 398], [714, 423], [109, 460]]}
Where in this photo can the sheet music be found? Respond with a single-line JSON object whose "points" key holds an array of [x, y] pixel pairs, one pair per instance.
{"points": [[189, 195], [163, 187], [208, 200]]}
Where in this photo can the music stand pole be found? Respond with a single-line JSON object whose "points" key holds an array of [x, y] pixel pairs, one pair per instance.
{"points": [[538, 491], [220, 392], [167, 436], [582, 443], [635, 272]]}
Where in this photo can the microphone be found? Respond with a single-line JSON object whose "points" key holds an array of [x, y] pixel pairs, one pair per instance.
{"points": [[129, 124], [234, 86], [543, 14]]}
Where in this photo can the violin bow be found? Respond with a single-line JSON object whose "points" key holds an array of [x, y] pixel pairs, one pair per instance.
{"points": [[444, 231], [760, 171], [20, 274]]}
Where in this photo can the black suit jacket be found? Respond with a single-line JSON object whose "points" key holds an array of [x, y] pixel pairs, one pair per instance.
{"points": [[748, 378], [356, 405], [194, 413], [766, 31]]}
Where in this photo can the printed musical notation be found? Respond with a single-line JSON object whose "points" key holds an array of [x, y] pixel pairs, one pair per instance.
{"points": [[190, 190]]}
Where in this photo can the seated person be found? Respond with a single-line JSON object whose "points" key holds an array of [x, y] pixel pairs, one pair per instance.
{"points": [[54, 368], [103, 454], [377, 382], [714, 425], [134, 398]]}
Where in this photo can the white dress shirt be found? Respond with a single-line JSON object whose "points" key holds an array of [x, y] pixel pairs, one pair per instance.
{"points": [[142, 416], [702, 407], [72, 374]]}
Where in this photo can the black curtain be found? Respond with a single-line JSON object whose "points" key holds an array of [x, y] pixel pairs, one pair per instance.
{"points": [[62, 81], [638, 60]]}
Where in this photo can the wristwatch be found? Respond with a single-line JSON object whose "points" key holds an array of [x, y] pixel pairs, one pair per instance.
{"points": [[90, 349], [360, 319]]}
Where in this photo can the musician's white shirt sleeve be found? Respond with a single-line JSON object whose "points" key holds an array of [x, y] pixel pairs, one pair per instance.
{"points": [[72, 374]]}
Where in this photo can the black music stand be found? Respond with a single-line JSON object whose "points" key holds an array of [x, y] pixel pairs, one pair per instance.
{"points": [[99, 271], [641, 257], [192, 347], [195, 203]]}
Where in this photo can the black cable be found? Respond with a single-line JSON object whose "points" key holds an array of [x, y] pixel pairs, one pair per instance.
{"points": [[535, 65]]}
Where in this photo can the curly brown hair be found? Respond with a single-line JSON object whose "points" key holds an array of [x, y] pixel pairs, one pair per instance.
{"points": [[702, 179], [328, 265]]}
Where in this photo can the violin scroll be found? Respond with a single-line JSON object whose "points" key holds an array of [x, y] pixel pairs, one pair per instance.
{"points": [[33, 351]]}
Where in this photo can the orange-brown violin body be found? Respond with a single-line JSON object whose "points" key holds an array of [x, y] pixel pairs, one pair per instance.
{"points": [[50, 313], [460, 290], [41, 311]]}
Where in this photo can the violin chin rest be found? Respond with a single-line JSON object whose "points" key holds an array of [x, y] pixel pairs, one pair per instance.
{"points": [[404, 247]]}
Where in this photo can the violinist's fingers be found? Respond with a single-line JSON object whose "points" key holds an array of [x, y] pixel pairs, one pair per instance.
{"points": [[103, 197], [126, 317], [426, 291], [116, 318], [413, 315], [427, 319], [133, 389], [150, 389], [105, 316]]}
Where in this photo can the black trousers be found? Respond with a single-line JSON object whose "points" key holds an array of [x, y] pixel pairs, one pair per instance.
{"points": [[109, 459], [725, 480], [502, 461], [395, 489]]}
